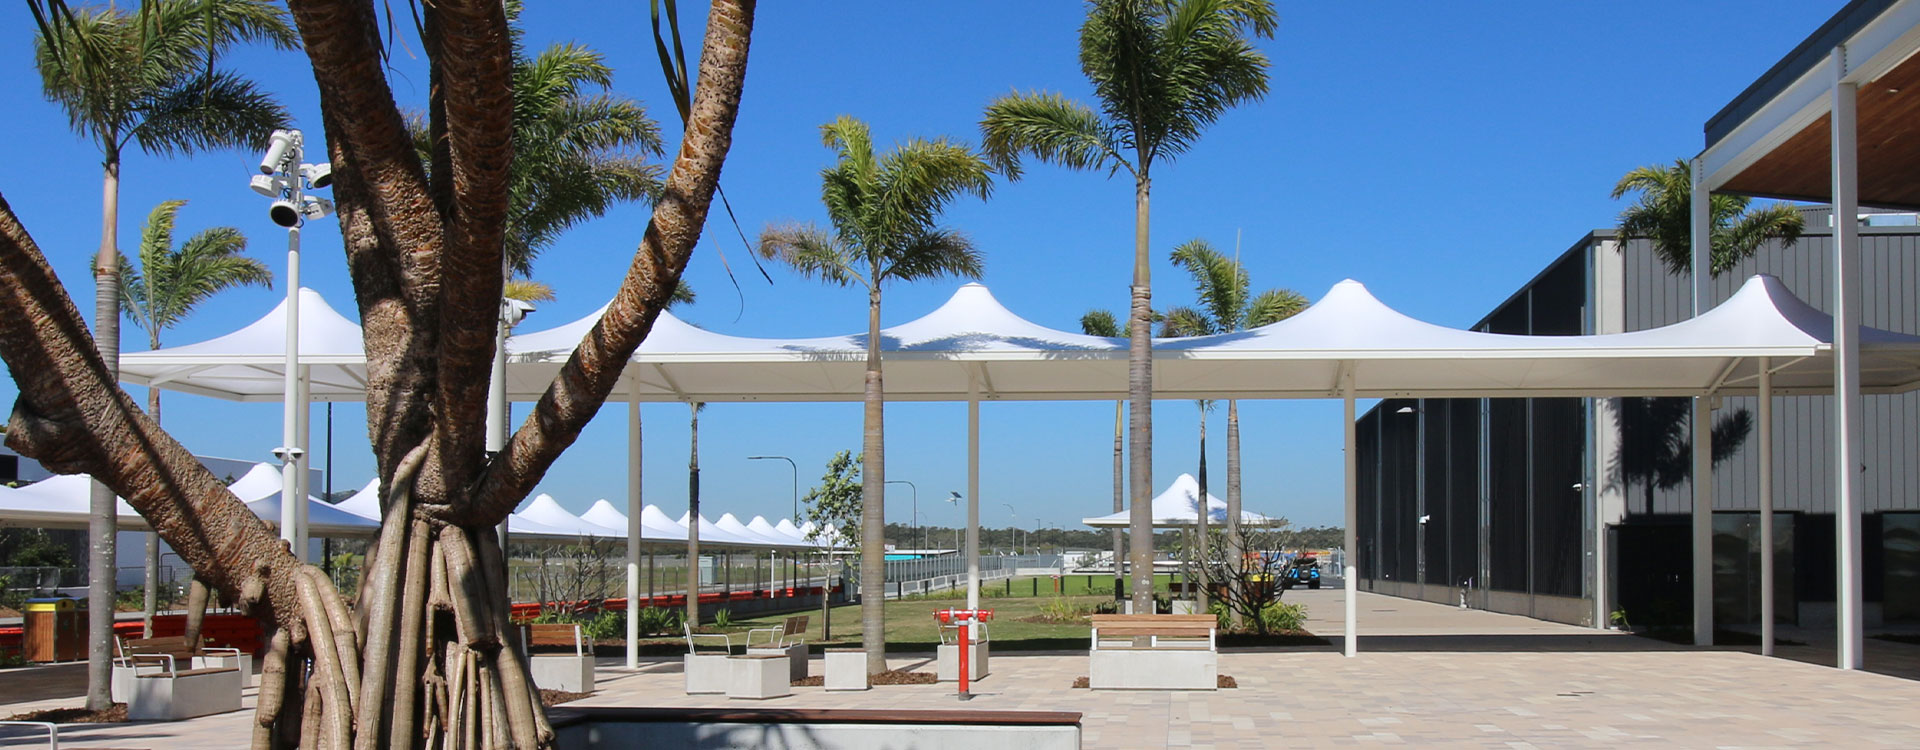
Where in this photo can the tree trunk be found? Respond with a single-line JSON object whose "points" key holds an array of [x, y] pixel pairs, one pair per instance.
{"points": [[873, 512], [1140, 403], [1204, 543], [103, 524], [693, 518], [1119, 495], [1236, 543], [151, 600]]}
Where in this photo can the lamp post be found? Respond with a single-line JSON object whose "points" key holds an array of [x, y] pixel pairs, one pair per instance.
{"points": [[916, 510], [1013, 535], [796, 480], [285, 179], [512, 311]]}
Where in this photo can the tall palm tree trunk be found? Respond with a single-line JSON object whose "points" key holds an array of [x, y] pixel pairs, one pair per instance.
{"points": [[1140, 401], [103, 524], [1119, 495], [873, 516], [1200, 526], [1236, 544], [693, 517], [150, 602]]}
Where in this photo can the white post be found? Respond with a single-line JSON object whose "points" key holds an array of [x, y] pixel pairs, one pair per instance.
{"points": [[1703, 521], [1351, 574], [973, 492], [1848, 412], [302, 478], [633, 523], [1351, 581], [1701, 243], [1766, 507], [497, 403], [290, 413]]}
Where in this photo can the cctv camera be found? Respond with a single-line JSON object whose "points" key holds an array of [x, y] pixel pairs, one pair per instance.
{"points": [[284, 213], [318, 175], [315, 208], [267, 185], [512, 311], [278, 146], [1424, 519]]}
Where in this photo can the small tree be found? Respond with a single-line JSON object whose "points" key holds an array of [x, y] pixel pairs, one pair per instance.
{"points": [[836, 503]]}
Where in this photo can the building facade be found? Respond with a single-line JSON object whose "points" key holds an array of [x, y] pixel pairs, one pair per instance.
{"points": [[1538, 506]]}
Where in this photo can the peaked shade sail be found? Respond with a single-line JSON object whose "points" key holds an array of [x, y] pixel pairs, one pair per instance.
{"points": [[1179, 506]]}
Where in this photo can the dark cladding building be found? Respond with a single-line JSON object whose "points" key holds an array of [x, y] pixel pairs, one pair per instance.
{"points": [[1530, 506]]}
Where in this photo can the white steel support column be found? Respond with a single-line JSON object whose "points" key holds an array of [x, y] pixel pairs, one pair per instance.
{"points": [[1703, 521], [1766, 507], [973, 492], [1848, 411], [497, 403], [290, 413], [1352, 572], [633, 524], [1701, 243], [302, 477]]}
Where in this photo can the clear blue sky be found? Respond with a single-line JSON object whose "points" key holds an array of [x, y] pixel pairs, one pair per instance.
{"points": [[1441, 153]]}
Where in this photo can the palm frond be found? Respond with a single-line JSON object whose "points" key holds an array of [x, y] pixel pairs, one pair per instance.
{"points": [[933, 254], [1100, 323], [220, 111], [1052, 129], [1164, 71], [812, 252], [527, 290], [1662, 214], [1219, 282], [682, 294], [1186, 321], [1744, 233], [1273, 306], [915, 182], [171, 281]]}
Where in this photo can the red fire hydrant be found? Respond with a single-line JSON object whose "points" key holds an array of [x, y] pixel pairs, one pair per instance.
{"points": [[965, 619]]}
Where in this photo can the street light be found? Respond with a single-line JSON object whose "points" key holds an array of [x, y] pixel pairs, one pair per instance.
{"points": [[285, 179], [796, 480], [916, 508], [1013, 536]]}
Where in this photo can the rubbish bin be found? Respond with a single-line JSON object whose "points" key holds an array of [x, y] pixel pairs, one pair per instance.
{"points": [[55, 630]]}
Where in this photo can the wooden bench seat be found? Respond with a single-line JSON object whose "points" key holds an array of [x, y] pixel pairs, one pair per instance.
{"points": [[168, 679], [1153, 652], [569, 672]]}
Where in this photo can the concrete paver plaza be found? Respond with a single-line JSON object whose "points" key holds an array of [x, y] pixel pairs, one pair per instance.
{"points": [[1427, 676]]}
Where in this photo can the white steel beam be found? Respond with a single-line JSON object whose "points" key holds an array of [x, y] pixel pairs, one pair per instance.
{"points": [[1848, 433]]}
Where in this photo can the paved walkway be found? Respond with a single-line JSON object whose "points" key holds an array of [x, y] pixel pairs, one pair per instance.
{"points": [[1427, 676]]}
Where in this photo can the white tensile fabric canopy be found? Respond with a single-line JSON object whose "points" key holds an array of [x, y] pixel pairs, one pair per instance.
{"points": [[1179, 506], [63, 501], [250, 364]]}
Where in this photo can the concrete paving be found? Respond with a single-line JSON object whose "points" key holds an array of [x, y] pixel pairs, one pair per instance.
{"points": [[1427, 676]]}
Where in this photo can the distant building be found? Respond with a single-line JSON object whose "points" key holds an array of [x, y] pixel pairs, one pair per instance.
{"points": [[1512, 491]]}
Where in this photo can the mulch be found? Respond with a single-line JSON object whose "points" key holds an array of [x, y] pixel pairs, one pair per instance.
{"points": [[890, 677], [556, 697], [114, 715], [1223, 682]]}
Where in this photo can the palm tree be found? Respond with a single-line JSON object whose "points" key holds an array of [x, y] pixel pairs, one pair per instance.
{"points": [[885, 212], [140, 79], [1163, 71], [1222, 286], [1102, 323], [1664, 215], [163, 290]]}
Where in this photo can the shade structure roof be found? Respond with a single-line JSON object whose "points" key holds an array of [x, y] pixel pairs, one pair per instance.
{"points": [[322, 519], [62, 501], [249, 364], [973, 337], [546, 511], [1179, 506]]}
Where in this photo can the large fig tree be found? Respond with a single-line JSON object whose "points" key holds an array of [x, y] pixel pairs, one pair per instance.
{"points": [[424, 657]]}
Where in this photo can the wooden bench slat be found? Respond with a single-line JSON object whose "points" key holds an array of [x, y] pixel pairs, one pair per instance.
{"points": [[184, 673], [1132, 619], [1163, 632]]}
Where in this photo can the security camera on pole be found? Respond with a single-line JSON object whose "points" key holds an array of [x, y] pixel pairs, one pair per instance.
{"points": [[285, 179]]}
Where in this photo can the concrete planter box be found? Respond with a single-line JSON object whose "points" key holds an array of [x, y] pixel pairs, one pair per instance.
{"points": [[846, 670], [573, 674], [758, 676], [706, 673], [947, 662], [796, 657]]}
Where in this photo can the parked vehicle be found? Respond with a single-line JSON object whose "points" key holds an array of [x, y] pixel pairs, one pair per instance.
{"points": [[1303, 570]]}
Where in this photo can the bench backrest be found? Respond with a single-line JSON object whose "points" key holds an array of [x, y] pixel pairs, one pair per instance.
{"points": [[175, 646], [554, 634], [795, 626]]}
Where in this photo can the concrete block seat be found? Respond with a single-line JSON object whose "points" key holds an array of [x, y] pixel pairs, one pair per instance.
{"points": [[171, 696], [571, 673], [758, 676], [846, 669], [789, 640], [1178, 653], [707, 671]]}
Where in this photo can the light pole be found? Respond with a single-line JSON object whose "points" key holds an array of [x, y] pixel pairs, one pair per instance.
{"points": [[796, 480], [1012, 536], [512, 311], [916, 509], [285, 179]]}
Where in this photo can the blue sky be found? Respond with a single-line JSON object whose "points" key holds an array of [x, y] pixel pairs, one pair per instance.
{"points": [[1441, 153]]}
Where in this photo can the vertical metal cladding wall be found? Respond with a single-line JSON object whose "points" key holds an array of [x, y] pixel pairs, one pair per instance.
{"points": [[1463, 488], [1803, 425], [1367, 492]]}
